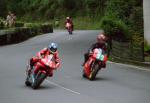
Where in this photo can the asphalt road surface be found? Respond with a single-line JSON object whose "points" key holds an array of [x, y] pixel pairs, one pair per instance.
{"points": [[115, 84]]}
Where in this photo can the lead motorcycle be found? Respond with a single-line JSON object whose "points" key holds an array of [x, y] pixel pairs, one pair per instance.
{"points": [[45, 65], [96, 62], [69, 28]]}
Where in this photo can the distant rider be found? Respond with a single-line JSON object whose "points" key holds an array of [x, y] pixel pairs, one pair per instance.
{"points": [[69, 20]]}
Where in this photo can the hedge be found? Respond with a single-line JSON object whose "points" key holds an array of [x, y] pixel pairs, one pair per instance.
{"points": [[116, 29], [15, 35]]}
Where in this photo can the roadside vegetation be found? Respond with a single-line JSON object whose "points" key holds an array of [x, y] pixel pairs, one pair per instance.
{"points": [[122, 20]]}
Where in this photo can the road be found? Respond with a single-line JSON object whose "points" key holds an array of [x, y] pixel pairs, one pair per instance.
{"points": [[115, 84]]}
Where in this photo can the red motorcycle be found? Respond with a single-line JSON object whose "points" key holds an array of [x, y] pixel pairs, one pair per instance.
{"points": [[69, 28], [45, 65], [96, 61]]}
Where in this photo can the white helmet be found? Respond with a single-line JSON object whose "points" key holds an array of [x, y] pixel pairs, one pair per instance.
{"points": [[68, 17]]}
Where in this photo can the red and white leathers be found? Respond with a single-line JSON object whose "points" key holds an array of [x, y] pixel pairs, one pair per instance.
{"points": [[41, 54]]}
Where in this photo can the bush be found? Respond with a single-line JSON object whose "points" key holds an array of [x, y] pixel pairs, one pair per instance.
{"points": [[19, 24], [2, 24], [46, 28], [39, 28], [116, 29], [137, 39], [32, 25], [136, 21], [146, 47]]}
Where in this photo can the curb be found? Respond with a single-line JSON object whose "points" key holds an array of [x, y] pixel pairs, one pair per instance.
{"points": [[131, 62]]}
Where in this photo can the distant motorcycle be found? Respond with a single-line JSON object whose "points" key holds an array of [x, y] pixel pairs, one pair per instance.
{"points": [[69, 28], [46, 64], [95, 62]]}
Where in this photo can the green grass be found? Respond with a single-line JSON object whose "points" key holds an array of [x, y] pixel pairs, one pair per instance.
{"points": [[86, 23], [147, 58], [147, 51], [82, 23], [146, 47]]}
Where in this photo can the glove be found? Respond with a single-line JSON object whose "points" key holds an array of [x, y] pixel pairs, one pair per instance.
{"points": [[41, 56]]}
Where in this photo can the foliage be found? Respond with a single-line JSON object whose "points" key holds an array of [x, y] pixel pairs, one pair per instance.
{"points": [[116, 29], [127, 11], [32, 25], [120, 9], [3, 8], [136, 21], [19, 24], [1, 24], [146, 47], [82, 23], [95, 7], [46, 27], [137, 39]]}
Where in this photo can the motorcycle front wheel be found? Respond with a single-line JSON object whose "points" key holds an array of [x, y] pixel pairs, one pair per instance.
{"points": [[27, 83], [40, 78], [94, 72]]}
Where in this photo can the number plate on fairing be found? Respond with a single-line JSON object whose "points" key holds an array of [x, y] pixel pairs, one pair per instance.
{"points": [[48, 60], [99, 55]]}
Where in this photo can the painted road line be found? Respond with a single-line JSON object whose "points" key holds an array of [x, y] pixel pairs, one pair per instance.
{"points": [[132, 66], [72, 91]]}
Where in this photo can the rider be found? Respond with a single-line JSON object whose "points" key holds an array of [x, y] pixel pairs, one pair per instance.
{"points": [[69, 20], [51, 49], [101, 43]]}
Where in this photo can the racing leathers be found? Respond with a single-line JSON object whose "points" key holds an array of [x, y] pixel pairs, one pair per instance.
{"points": [[42, 54]]}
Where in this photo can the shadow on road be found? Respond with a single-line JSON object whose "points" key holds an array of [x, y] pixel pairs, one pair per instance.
{"points": [[42, 87], [98, 79], [102, 79]]}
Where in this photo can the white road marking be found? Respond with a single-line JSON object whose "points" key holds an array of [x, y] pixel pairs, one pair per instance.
{"points": [[63, 87], [139, 68]]}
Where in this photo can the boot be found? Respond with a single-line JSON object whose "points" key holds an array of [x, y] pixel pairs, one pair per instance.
{"points": [[50, 74]]}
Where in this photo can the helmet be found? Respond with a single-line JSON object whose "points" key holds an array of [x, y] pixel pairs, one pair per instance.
{"points": [[67, 17], [101, 38], [53, 47]]}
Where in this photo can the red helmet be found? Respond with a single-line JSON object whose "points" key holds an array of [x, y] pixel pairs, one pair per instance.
{"points": [[101, 38]]}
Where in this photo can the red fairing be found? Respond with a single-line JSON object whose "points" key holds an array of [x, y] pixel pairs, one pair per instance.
{"points": [[69, 21], [87, 68], [40, 62], [46, 52], [105, 58], [92, 58]]}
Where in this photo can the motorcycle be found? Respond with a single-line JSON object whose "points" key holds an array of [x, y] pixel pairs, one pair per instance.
{"points": [[69, 28], [45, 65], [96, 61]]}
